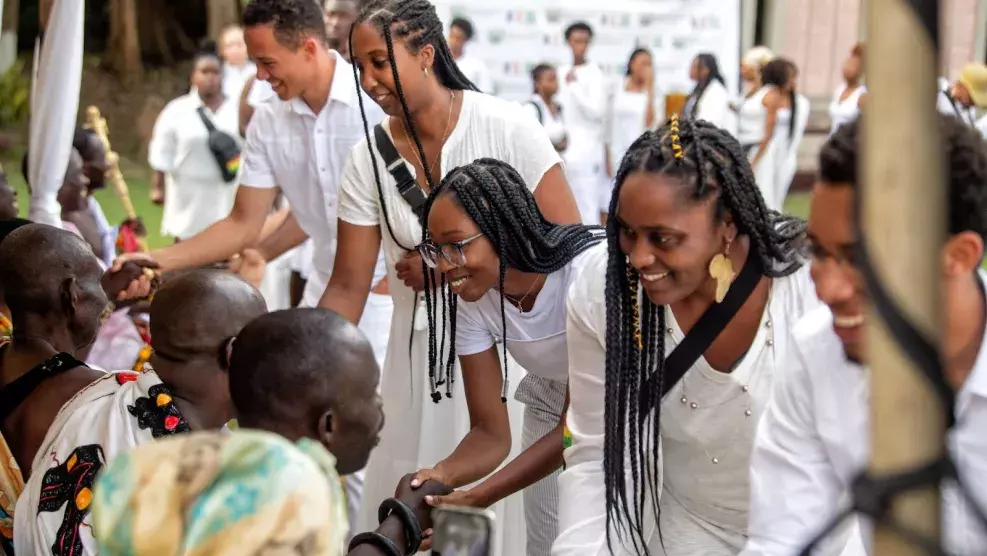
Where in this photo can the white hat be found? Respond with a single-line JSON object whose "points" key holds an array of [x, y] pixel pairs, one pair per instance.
{"points": [[758, 56]]}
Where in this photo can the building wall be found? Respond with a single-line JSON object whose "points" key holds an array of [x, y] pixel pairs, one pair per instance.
{"points": [[819, 34]]}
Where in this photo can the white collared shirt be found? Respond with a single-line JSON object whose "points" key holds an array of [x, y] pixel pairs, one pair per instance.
{"points": [[304, 153], [705, 447], [814, 440], [196, 196]]}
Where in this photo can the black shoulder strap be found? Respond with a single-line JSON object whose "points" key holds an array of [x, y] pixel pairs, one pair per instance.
{"points": [[541, 116], [709, 326], [205, 119], [17, 391], [407, 186]]}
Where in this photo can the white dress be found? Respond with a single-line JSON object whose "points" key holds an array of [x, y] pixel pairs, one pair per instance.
{"points": [[705, 449], [626, 111], [846, 110], [789, 165], [751, 119], [714, 106], [419, 433]]}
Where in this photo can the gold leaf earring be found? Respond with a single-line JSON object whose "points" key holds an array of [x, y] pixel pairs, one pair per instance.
{"points": [[721, 270]]}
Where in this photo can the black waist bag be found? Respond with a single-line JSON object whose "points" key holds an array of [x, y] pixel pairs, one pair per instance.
{"points": [[224, 148]]}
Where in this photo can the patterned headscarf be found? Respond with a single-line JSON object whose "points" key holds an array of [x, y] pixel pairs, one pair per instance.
{"points": [[243, 493]]}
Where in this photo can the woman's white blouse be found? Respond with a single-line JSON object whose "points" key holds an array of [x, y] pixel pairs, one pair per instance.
{"points": [[704, 502]]}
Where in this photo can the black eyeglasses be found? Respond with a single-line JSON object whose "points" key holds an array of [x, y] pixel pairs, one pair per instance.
{"points": [[452, 252]]}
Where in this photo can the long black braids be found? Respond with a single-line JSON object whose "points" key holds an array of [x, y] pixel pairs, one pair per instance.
{"points": [[417, 24], [709, 62], [712, 163], [778, 73], [496, 198]]}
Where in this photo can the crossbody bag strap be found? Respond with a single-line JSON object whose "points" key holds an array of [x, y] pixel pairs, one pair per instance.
{"points": [[413, 194]]}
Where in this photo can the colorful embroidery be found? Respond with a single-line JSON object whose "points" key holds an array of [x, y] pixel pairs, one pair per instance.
{"points": [[125, 377], [70, 485], [158, 412], [142, 358]]}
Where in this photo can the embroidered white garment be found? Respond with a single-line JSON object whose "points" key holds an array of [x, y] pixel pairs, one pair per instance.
{"points": [[110, 416], [706, 440]]}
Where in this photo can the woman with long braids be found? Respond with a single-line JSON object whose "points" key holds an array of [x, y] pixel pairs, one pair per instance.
{"points": [[667, 387], [778, 110], [437, 121], [710, 100], [508, 270]]}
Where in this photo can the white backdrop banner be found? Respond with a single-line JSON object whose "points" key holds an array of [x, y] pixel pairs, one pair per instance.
{"points": [[513, 36]]}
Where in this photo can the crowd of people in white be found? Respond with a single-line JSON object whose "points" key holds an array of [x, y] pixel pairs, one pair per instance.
{"points": [[589, 316]]}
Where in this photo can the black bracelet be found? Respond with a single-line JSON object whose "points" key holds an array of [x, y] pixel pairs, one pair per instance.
{"points": [[412, 529], [376, 539]]}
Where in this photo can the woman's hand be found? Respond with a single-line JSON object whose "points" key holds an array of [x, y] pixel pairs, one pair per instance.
{"points": [[409, 270], [250, 265]]}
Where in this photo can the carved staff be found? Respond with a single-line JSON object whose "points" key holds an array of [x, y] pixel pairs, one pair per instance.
{"points": [[129, 240]]}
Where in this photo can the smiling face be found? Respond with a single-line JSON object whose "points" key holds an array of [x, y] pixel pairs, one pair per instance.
{"points": [[839, 284], [668, 237], [376, 77], [290, 69], [448, 224]]}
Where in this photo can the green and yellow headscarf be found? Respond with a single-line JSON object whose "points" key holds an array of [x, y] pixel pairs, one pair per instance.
{"points": [[243, 493]]}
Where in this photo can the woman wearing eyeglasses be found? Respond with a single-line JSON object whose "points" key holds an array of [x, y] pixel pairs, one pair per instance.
{"points": [[508, 271]]}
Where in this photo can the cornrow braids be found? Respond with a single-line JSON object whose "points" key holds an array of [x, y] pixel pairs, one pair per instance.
{"points": [[496, 198], [710, 162], [417, 24]]}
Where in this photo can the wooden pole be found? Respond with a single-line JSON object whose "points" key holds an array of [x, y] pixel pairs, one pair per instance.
{"points": [[904, 223]]}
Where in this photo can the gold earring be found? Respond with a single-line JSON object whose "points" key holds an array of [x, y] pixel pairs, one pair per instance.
{"points": [[721, 270], [426, 71]]}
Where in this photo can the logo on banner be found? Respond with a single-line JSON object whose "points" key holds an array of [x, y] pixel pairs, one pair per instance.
{"points": [[521, 16]]}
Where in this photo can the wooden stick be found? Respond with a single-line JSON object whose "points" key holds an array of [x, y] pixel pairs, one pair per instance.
{"points": [[904, 216], [96, 122]]}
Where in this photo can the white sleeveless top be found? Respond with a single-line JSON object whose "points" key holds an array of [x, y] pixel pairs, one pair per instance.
{"points": [[846, 111], [751, 118]]}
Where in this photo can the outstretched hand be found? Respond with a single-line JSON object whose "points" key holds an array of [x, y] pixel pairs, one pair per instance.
{"points": [[129, 281]]}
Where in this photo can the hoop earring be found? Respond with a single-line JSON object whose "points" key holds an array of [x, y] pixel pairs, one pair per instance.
{"points": [[721, 270]]}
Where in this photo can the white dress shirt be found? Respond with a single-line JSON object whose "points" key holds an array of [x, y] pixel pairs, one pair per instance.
{"points": [[814, 440], [196, 196], [584, 111], [304, 153], [706, 448]]}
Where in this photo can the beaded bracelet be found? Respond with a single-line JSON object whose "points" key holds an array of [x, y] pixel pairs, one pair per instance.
{"points": [[376, 539], [412, 528]]}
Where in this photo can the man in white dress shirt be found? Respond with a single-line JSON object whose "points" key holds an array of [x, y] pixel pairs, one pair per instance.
{"points": [[299, 142], [583, 96], [814, 438], [460, 33]]}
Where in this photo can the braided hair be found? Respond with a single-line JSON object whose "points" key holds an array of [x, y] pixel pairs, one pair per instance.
{"points": [[416, 23], [495, 196], [778, 72], [709, 62], [710, 162]]}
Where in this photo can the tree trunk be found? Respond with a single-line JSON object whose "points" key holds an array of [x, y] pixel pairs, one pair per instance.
{"points": [[8, 33], [221, 14], [123, 52]]}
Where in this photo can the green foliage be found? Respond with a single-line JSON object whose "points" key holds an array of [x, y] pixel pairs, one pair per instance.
{"points": [[15, 95]]}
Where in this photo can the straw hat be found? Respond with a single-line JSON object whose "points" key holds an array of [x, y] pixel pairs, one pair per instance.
{"points": [[974, 78]]}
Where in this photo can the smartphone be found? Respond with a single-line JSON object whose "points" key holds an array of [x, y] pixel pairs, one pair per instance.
{"points": [[459, 531]]}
